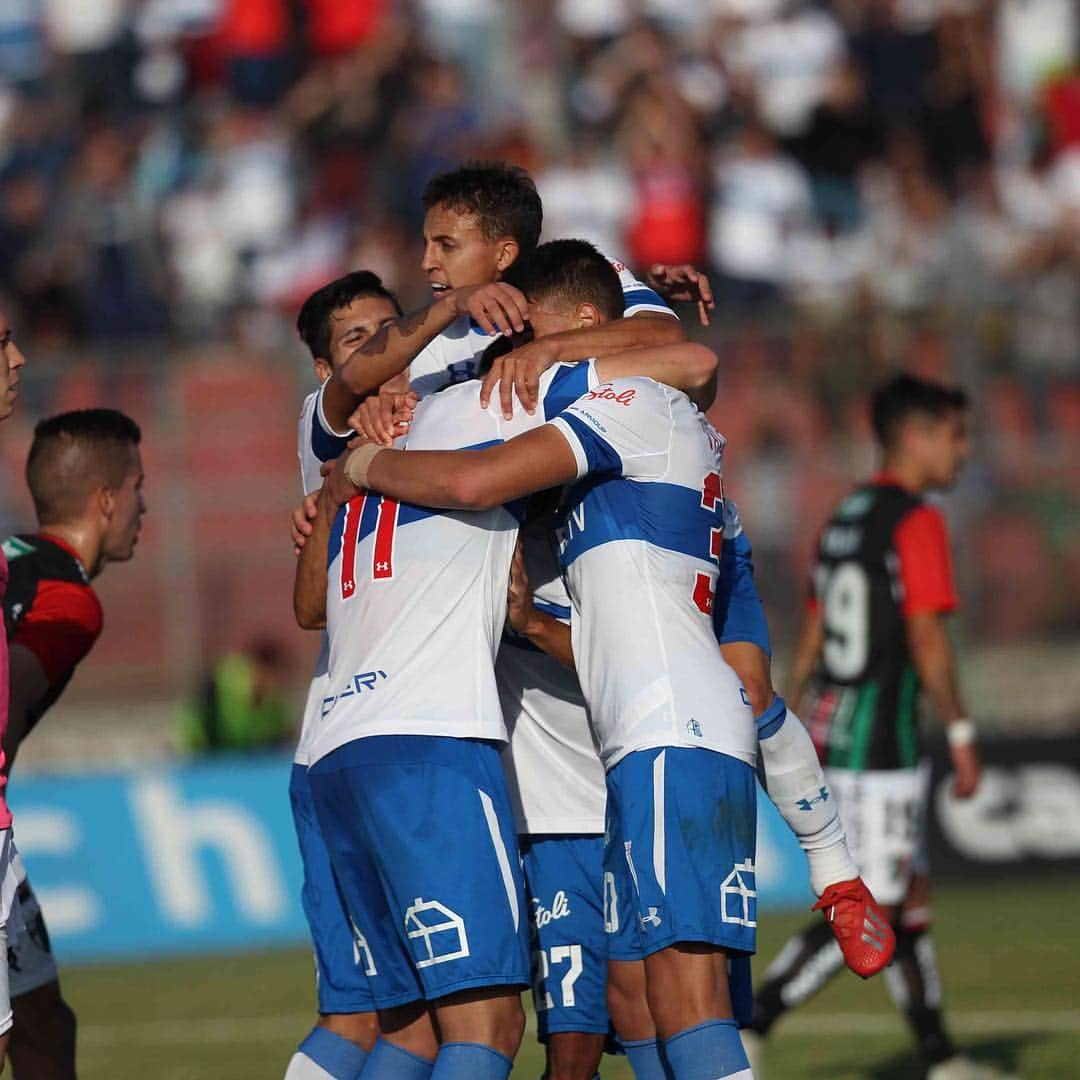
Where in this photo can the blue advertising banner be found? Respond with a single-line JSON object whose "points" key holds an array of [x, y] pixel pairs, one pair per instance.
{"points": [[203, 857]]}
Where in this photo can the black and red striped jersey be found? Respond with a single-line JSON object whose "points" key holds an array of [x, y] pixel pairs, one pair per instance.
{"points": [[882, 557]]}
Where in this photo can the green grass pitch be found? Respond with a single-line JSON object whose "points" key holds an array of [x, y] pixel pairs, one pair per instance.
{"points": [[1010, 957]]}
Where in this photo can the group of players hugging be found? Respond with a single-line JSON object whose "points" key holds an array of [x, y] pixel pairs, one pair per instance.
{"points": [[530, 748]]}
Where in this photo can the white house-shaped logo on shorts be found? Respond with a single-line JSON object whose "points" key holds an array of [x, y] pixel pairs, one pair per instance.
{"points": [[440, 930], [738, 895]]}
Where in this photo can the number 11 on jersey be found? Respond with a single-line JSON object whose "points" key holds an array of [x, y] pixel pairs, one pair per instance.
{"points": [[382, 558]]}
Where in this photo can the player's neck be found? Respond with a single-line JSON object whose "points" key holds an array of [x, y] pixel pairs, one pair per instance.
{"points": [[904, 473], [83, 539]]}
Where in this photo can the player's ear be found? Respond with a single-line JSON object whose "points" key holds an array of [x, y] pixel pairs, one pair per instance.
{"points": [[105, 500], [587, 315], [323, 370], [509, 250]]}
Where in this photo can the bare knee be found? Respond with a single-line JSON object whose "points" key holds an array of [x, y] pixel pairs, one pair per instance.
{"points": [[491, 1017], [685, 987], [361, 1028], [410, 1027], [574, 1055]]}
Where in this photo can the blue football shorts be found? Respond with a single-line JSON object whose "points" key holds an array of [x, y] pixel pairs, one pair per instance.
{"points": [[564, 884], [679, 859], [678, 864], [421, 835], [341, 984]]}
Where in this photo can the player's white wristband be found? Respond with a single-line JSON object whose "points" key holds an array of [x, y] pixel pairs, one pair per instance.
{"points": [[960, 733], [359, 461]]}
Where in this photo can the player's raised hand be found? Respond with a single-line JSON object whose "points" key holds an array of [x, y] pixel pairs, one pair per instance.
{"points": [[498, 308], [683, 283], [301, 519], [381, 418], [519, 599], [519, 371], [967, 770]]}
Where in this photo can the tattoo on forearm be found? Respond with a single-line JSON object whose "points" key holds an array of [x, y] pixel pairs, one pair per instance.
{"points": [[406, 326]]}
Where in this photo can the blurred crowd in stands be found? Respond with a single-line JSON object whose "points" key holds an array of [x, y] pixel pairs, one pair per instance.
{"points": [[871, 183]]}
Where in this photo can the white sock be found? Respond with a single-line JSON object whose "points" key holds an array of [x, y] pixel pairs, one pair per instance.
{"points": [[301, 1067], [797, 787]]}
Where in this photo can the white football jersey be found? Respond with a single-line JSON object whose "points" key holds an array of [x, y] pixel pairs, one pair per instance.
{"points": [[452, 357], [640, 551], [552, 762], [416, 598]]}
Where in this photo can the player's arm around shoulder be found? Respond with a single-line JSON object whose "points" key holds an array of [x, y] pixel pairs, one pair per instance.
{"points": [[684, 365], [470, 479]]}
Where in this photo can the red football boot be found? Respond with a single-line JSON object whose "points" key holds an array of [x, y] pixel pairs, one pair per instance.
{"points": [[865, 937]]}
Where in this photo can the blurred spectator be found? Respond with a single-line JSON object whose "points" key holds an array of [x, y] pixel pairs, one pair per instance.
{"points": [[241, 704], [874, 183], [763, 200], [587, 195]]}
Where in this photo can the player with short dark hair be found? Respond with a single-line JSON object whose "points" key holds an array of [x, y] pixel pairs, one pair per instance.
{"points": [[502, 198], [874, 642], [85, 475], [334, 321], [324, 325], [563, 272]]}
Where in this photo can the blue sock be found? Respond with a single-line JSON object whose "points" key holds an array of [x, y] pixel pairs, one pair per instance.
{"points": [[388, 1060], [339, 1056], [644, 1058], [772, 719], [470, 1061], [707, 1051]]}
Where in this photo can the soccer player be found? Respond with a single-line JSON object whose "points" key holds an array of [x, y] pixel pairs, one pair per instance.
{"points": [[11, 361], [675, 735], [553, 764], [873, 640], [333, 321], [407, 586], [85, 476]]}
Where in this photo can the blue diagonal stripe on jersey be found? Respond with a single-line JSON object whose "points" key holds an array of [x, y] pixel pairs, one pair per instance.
{"points": [[569, 383], [644, 297], [668, 516]]}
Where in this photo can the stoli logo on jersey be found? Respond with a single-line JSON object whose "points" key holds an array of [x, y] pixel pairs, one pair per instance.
{"points": [[605, 393]]}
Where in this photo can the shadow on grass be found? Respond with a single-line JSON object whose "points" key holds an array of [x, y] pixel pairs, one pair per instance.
{"points": [[1002, 1052]]}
